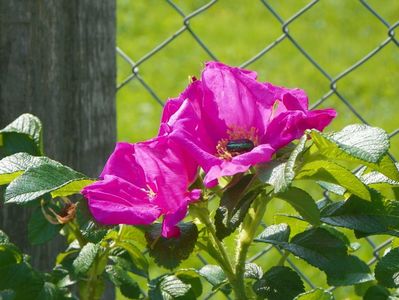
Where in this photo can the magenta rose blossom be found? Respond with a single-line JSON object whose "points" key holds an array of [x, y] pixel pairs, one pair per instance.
{"points": [[140, 182], [229, 121]]}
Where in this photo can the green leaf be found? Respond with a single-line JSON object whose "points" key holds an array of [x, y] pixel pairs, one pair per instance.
{"points": [[167, 287], [280, 173], [21, 278], [40, 180], [323, 170], [368, 217], [213, 274], [169, 253], [40, 230], [234, 205], [71, 188], [122, 258], [191, 277], [358, 143], [377, 292], [24, 134], [14, 165], [387, 269], [3, 237], [253, 271], [133, 234], [333, 188], [121, 278], [279, 233], [303, 204], [137, 258], [279, 283], [49, 292], [316, 294], [86, 258], [7, 295], [9, 255], [375, 177], [92, 231], [326, 251], [387, 187]]}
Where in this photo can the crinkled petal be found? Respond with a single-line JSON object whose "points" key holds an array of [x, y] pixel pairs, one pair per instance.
{"points": [[123, 164], [201, 153], [291, 125], [116, 201], [319, 119], [294, 99], [170, 168], [239, 164], [260, 154], [224, 168], [233, 98]]}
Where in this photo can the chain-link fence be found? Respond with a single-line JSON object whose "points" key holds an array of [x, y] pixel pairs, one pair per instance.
{"points": [[331, 83]]}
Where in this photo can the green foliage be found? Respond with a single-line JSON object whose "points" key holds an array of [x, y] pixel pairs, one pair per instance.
{"points": [[303, 204], [40, 180], [213, 274], [375, 217], [86, 258], [316, 294], [136, 259], [281, 172], [358, 143], [40, 230], [191, 277], [14, 165], [24, 134], [377, 292], [169, 253], [19, 281], [387, 269], [279, 283], [333, 173], [121, 278], [326, 251], [234, 205], [275, 233], [168, 287], [253, 271]]}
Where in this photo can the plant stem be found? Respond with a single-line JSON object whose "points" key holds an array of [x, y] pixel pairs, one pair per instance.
{"points": [[77, 233], [246, 236], [283, 258], [223, 259]]}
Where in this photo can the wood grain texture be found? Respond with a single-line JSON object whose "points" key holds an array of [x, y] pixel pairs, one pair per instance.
{"points": [[57, 61]]}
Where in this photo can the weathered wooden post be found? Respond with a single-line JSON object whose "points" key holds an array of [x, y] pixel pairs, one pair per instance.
{"points": [[57, 61]]}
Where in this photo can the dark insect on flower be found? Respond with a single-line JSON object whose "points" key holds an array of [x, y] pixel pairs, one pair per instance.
{"points": [[240, 145]]}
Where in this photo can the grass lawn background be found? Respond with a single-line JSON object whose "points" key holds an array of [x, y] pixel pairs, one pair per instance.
{"points": [[335, 33]]}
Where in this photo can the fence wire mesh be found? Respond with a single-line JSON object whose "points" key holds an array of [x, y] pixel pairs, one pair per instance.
{"points": [[377, 245]]}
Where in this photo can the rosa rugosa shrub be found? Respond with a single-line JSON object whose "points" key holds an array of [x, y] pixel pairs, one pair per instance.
{"points": [[227, 146]]}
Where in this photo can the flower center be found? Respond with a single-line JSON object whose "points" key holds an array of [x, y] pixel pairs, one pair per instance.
{"points": [[150, 192], [240, 141]]}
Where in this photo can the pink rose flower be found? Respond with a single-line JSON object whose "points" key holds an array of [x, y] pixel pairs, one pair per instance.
{"points": [[229, 121], [140, 182]]}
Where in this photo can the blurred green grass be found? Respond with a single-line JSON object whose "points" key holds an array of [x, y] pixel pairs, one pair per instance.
{"points": [[335, 33]]}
